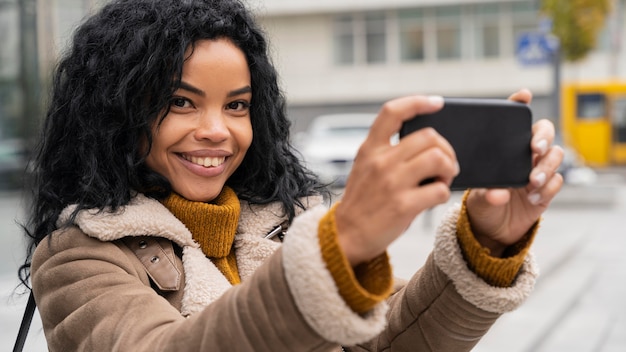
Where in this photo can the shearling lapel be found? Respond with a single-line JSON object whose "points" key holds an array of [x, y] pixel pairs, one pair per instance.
{"points": [[251, 248], [204, 283], [256, 221], [144, 216]]}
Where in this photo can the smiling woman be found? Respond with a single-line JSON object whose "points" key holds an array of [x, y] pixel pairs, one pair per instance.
{"points": [[165, 184]]}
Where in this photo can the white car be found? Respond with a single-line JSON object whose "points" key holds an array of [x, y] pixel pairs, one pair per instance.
{"points": [[331, 142]]}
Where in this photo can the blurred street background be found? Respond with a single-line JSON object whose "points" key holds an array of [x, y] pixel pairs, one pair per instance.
{"points": [[338, 61]]}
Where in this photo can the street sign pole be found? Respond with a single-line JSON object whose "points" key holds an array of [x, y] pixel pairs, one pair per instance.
{"points": [[30, 83], [556, 86], [554, 45], [540, 48]]}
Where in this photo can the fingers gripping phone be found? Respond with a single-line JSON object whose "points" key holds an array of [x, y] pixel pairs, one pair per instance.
{"points": [[491, 139]]}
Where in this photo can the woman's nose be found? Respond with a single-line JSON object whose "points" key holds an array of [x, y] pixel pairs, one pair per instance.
{"points": [[212, 126]]}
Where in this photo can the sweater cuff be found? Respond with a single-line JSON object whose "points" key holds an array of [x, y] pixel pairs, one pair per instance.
{"points": [[315, 290], [499, 272], [361, 287]]}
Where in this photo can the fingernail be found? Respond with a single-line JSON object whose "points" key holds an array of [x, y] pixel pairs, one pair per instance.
{"points": [[458, 168], [542, 145], [435, 99], [534, 198], [540, 179]]}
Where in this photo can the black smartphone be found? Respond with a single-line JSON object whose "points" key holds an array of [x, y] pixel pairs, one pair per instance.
{"points": [[491, 138]]}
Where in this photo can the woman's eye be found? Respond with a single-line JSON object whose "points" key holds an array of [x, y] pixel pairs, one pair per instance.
{"points": [[180, 103], [238, 105]]}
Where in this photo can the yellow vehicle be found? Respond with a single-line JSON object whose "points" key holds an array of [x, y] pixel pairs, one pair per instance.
{"points": [[593, 121]]}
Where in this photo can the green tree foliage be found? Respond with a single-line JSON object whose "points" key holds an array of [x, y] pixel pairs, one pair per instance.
{"points": [[576, 23]]}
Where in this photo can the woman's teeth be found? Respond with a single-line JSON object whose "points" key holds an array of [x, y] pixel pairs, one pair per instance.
{"points": [[206, 162]]}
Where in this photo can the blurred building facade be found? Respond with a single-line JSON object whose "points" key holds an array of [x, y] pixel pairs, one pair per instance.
{"points": [[351, 56], [336, 56]]}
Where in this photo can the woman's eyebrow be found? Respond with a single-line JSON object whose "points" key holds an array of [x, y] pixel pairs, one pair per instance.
{"points": [[188, 87], [244, 90], [192, 89]]}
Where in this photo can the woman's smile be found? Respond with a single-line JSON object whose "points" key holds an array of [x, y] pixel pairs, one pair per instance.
{"points": [[204, 166]]}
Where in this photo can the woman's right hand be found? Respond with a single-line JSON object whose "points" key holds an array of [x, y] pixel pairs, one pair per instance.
{"points": [[383, 194]]}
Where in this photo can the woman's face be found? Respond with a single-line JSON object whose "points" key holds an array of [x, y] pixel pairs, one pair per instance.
{"points": [[205, 136]]}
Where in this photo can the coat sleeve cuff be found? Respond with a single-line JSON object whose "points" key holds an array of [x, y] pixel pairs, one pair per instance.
{"points": [[496, 271], [473, 288], [314, 289], [362, 287]]}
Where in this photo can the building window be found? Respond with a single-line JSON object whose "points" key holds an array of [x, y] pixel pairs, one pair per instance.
{"points": [[375, 38], [524, 18], [442, 33], [487, 30], [448, 32], [344, 40], [411, 30], [360, 39]]}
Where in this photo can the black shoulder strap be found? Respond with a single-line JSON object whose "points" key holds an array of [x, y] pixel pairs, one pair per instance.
{"points": [[26, 320], [279, 231]]}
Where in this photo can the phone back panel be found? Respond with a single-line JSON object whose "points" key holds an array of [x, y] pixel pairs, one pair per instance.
{"points": [[491, 138]]}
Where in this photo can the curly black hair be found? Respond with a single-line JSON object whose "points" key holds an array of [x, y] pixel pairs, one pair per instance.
{"points": [[117, 80]]}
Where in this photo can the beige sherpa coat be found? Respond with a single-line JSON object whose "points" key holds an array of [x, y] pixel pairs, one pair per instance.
{"points": [[135, 280]]}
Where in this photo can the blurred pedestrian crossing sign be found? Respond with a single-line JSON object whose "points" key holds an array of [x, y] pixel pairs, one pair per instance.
{"points": [[535, 48]]}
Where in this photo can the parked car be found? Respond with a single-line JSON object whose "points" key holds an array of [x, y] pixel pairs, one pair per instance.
{"points": [[12, 163], [331, 142], [574, 170]]}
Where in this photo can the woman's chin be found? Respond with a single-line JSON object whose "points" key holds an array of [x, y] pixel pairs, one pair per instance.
{"points": [[205, 196]]}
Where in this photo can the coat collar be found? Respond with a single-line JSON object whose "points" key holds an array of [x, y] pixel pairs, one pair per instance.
{"points": [[204, 283]]}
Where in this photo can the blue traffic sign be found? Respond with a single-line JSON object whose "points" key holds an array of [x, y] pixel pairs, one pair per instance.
{"points": [[535, 48]]}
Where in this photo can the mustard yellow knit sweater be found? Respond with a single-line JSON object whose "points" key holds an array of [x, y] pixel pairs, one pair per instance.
{"points": [[213, 226]]}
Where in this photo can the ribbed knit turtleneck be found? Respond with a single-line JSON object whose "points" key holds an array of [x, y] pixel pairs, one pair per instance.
{"points": [[213, 226]]}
